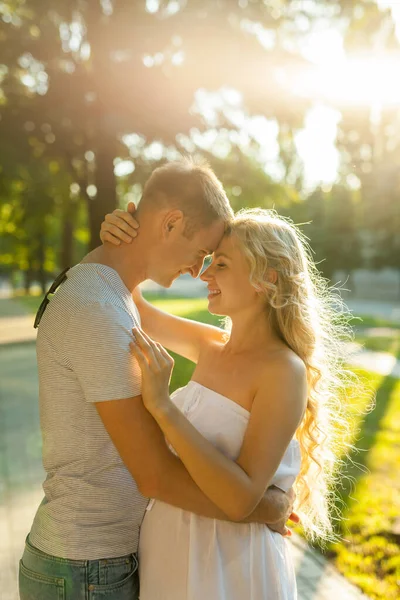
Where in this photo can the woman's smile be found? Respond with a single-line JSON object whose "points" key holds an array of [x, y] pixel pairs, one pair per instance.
{"points": [[212, 292]]}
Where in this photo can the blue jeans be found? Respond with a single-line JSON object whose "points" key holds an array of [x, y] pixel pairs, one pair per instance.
{"points": [[45, 577]]}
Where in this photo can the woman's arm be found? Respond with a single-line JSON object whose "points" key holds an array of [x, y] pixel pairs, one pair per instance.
{"points": [[182, 336], [235, 487]]}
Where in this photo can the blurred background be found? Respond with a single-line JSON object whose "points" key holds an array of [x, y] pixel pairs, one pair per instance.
{"points": [[296, 106]]}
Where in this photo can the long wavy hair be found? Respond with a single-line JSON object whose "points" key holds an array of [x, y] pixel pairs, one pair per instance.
{"points": [[309, 317]]}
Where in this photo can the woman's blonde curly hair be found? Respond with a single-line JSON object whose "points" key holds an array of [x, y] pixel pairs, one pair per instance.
{"points": [[304, 313]]}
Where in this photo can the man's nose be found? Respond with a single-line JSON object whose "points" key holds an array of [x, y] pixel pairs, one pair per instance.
{"points": [[206, 274], [196, 268]]}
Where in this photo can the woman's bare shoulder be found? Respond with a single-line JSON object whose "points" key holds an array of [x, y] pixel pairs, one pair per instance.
{"points": [[284, 366]]}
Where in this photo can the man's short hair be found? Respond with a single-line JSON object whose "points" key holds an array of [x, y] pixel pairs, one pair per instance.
{"points": [[192, 188]]}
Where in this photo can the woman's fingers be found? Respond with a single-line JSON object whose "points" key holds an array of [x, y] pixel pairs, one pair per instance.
{"points": [[140, 357], [147, 347], [126, 216], [287, 532], [158, 350], [117, 224], [155, 353], [167, 357], [118, 233], [153, 345], [106, 236]]}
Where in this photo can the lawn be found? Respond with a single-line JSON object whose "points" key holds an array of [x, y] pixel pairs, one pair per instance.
{"points": [[369, 552], [19, 305]]}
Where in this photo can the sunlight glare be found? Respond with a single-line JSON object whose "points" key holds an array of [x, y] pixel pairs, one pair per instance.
{"points": [[355, 81], [316, 145]]}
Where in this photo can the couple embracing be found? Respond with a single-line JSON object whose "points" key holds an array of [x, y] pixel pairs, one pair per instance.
{"points": [[223, 457]]}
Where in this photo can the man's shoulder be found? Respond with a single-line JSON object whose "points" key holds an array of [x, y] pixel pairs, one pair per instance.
{"points": [[102, 310], [96, 287]]}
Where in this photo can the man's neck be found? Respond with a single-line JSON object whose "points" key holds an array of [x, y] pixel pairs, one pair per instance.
{"points": [[130, 266]]}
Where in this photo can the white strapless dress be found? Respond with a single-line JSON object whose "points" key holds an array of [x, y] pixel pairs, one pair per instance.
{"points": [[183, 556]]}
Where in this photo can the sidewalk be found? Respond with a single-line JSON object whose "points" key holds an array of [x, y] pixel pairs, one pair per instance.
{"points": [[21, 470], [382, 310]]}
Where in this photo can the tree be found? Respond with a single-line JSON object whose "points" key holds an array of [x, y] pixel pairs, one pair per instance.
{"points": [[81, 74]]}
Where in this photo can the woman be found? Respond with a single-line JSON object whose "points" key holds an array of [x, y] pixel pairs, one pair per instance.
{"points": [[258, 411]]}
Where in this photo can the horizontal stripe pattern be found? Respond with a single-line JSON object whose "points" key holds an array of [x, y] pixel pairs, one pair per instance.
{"points": [[92, 507]]}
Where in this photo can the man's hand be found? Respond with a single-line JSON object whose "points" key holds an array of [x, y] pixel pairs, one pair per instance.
{"points": [[283, 502]]}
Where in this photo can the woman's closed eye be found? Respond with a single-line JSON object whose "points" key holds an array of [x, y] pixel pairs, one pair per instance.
{"points": [[220, 265]]}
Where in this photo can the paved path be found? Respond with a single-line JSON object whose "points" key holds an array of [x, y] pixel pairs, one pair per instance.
{"points": [[21, 470], [383, 310]]}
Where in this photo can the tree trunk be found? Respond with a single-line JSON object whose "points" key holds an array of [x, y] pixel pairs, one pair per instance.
{"points": [[66, 257], [41, 258], [106, 198], [66, 244], [28, 280]]}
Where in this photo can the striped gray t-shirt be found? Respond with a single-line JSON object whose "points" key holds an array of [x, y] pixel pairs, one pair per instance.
{"points": [[92, 507]]}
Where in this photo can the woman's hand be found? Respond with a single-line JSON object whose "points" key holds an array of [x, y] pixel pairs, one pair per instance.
{"points": [[156, 366], [119, 226], [283, 502]]}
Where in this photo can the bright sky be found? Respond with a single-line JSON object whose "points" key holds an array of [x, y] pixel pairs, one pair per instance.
{"points": [[332, 81], [337, 80]]}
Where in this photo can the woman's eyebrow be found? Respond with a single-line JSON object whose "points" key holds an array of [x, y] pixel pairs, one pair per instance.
{"points": [[219, 254]]}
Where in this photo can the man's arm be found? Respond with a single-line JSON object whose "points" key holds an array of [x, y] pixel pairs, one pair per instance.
{"points": [[160, 474]]}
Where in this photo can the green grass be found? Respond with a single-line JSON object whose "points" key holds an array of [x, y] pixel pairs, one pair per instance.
{"points": [[369, 552], [19, 305], [191, 308]]}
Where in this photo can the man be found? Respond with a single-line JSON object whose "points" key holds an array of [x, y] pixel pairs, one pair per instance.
{"points": [[103, 453]]}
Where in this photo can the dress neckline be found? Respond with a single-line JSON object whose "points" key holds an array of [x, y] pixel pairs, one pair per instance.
{"points": [[232, 403]]}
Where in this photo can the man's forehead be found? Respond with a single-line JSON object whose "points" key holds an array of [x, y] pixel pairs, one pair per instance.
{"points": [[212, 237]]}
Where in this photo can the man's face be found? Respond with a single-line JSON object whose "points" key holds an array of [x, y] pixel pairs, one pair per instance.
{"points": [[184, 255]]}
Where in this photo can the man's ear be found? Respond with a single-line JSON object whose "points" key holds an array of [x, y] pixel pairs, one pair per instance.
{"points": [[172, 222]]}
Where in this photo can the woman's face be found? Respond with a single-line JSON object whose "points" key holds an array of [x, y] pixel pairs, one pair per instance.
{"points": [[228, 280]]}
